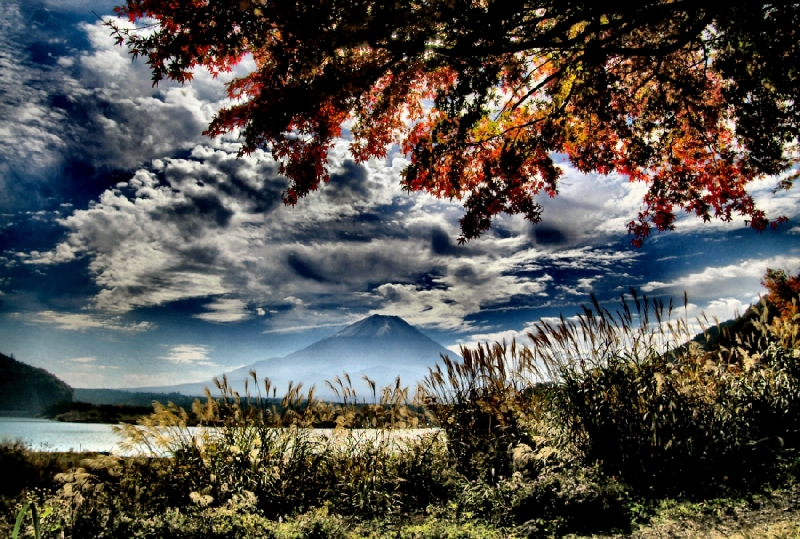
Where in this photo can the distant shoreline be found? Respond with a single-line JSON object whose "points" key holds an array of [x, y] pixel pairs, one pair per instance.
{"points": [[69, 418], [18, 413]]}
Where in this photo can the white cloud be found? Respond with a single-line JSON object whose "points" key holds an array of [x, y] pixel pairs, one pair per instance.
{"points": [[111, 115], [774, 204], [583, 287], [213, 226], [129, 121], [85, 360], [719, 309], [82, 322], [29, 126], [187, 354], [63, 252], [298, 329], [592, 206], [225, 310], [446, 307], [595, 206], [746, 273]]}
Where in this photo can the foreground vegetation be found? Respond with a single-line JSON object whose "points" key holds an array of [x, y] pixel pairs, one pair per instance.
{"points": [[612, 423]]}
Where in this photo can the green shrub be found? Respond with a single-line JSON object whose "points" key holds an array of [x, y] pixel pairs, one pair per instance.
{"points": [[425, 473], [452, 530], [581, 501], [319, 524]]}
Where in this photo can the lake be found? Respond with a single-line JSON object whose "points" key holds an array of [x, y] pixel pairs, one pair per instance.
{"points": [[46, 435]]}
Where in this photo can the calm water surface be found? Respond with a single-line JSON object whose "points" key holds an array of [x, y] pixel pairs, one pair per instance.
{"points": [[46, 435]]}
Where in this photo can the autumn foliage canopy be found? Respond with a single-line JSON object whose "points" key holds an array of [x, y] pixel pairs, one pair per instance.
{"points": [[694, 98]]}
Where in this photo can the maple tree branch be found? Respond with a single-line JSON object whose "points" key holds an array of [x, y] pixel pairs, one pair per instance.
{"points": [[630, 21], [635, 87]]}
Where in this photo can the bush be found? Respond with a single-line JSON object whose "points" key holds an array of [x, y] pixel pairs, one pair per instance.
{"points": [[580, 501]]}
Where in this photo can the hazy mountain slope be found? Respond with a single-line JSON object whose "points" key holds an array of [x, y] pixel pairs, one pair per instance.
{"points": [[381, 347], [24, 388]]}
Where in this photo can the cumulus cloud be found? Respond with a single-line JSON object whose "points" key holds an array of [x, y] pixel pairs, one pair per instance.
{"points": [[721, 309], [593, 206], [774, 203], [446, 306], [126, 121], [29, 126], [63, 252], [213, 226], [582, 287], [93, 107], [588, 207], [136, 121]]}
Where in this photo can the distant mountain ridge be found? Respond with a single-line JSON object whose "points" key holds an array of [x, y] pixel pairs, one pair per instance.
{"points": [[27, 389], [379, 347], [117, 397]]}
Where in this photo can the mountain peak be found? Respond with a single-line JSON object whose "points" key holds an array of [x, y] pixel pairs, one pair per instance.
{"points": [[378, 325], [379, 347]]}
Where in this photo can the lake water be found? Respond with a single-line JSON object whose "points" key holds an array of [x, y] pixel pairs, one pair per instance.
{"points": [[45, 435]]}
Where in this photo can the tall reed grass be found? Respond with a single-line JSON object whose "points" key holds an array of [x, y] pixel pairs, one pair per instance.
{"points": [[640, 396], [251, 447]]}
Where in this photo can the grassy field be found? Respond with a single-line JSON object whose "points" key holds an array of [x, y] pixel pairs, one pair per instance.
{"points": [[611, 425]]}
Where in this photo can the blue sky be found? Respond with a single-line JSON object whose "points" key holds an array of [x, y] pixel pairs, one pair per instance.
{"points": [[136, 252]]}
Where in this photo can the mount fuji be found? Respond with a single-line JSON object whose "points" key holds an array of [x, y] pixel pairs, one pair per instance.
{"points": [[379, 347]]}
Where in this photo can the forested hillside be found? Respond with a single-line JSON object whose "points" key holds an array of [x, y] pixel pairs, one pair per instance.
{"points": [[29, 389]]}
